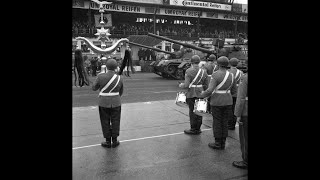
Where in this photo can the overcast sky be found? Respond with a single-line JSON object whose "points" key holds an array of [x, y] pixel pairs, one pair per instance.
{"points": [[241, 1]]}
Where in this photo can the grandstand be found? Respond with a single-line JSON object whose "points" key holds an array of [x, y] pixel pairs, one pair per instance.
{"points": [[189, 21]]}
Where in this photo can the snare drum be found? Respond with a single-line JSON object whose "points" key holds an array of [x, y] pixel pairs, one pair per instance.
{"points": [[201, 107], [181, 99]]}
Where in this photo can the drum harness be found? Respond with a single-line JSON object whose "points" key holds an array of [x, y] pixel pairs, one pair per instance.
{"points": [[236, 76], [191, 84], [222, 83], [107, 85]]}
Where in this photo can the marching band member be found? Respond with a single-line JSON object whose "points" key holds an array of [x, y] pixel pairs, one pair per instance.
{"points": [[196, 80], [111, 88], [211, 65], [221, 101], [241, 112], [237, 75]]}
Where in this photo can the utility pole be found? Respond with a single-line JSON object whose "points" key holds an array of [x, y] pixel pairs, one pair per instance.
{"points": [[154, 20]]}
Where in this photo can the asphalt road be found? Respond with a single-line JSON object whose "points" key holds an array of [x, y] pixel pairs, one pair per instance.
{"points": [[153, 145], [140, 87]]}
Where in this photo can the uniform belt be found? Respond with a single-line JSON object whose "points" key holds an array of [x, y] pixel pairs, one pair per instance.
{"points": [[222, 91], [109, 94], [196, 85]]}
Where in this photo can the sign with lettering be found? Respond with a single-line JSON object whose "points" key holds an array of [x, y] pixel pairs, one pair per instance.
{"points": [[143, 1], [200, 4], [178, 12], [119, 7], [170, 12]]}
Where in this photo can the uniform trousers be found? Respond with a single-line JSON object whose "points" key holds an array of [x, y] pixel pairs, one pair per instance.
{"points": [[220, 115], [195, 120], [232, 121], [243, 133], [110, 121]]}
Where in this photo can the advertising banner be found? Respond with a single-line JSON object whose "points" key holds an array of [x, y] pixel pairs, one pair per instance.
{"points": [[200, 4], [168, 12], [143, 1], [119, 7], [106, 18], [178, 12]]}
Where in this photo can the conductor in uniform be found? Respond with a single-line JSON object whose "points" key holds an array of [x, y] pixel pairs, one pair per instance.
{"points": [[196, 80], [220, 88], [237, 75], [111, 88]]}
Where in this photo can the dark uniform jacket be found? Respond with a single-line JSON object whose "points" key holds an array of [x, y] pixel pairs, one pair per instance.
{"points": [[100, 82], [210, 67], [241, 107], [190, 74], [233, 70], [218, 99]]}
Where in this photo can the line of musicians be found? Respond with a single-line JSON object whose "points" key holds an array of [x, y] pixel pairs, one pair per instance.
{"points": [[219, 84]]}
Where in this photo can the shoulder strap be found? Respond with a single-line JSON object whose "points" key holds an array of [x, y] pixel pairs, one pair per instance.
{"points": [[201, 76], [231, 81], [237, 73], [214, 68], [195, 78], [108, 84], [223, 81], [115, 85]]}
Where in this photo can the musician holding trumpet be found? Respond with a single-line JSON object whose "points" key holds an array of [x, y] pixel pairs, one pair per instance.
{"points": [[221, 87], [196, 80]]}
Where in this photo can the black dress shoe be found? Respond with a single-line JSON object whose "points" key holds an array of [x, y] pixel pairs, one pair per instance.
{"points": [[215, 146], [198, 131], [191, 131], [115, 144], [106, 144], [240, 164]]}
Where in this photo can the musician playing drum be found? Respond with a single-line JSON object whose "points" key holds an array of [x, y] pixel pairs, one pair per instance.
{"points": [[221, 86], [196, 80]]}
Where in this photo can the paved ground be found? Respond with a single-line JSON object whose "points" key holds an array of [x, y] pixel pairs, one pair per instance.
{"points": [[153, 145], [140, 87]]}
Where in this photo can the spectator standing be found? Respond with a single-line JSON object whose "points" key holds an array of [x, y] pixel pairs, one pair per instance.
{"points": [[87, 65], [94, 64], [153, 55], [148, 54], [141, 54]]}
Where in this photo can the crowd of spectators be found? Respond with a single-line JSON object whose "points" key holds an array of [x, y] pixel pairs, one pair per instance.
{"points": [[83, 28]]}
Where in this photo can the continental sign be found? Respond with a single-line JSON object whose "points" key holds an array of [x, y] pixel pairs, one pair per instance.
{"points": [[199, 4]]}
